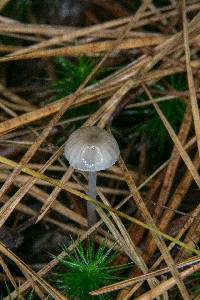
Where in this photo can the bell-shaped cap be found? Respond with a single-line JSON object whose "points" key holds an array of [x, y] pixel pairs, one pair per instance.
{"points": [[91, 149]]}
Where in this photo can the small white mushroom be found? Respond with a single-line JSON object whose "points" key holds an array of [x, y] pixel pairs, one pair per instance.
{"points": [[91, 149]]}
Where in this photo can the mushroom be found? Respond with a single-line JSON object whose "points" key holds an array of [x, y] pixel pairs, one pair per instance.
{"points": [[91, 149]]}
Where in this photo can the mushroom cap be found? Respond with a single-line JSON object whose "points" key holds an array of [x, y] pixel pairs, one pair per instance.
{"points": [[91, 149]]}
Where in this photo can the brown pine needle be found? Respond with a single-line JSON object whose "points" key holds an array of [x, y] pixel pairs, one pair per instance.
{"points": [[192, 90], [128, 282], [57, 183]]}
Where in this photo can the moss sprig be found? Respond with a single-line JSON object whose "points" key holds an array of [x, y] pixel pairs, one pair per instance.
{"points": [[87, 269]]}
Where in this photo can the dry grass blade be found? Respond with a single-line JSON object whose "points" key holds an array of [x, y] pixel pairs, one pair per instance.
{"points": [[58, 207], [88, 49], [126, 244], [50, 109], [191, 218], [77, 33], [176, 141], [7, 110], [32, 274], [14, 98], [53, 196], [192, 236], [192, 91], [167, 284], [179, 193], [131, 281], [28, 211], [38, 29], [181, 189], [62, 33], [22, 179], [7, 209], [173, 203], [123, 238], [159, 241], [7, 272], [172, 167], [57, 183]]}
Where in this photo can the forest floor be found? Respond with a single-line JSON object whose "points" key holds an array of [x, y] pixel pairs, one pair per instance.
{"points": [[132, 68]]}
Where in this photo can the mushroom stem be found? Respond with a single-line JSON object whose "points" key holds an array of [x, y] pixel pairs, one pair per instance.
{"points": [[91, 208]]}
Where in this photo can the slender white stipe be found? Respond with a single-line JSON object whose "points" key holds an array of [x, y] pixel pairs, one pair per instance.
{"points": [[91, 149]]}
